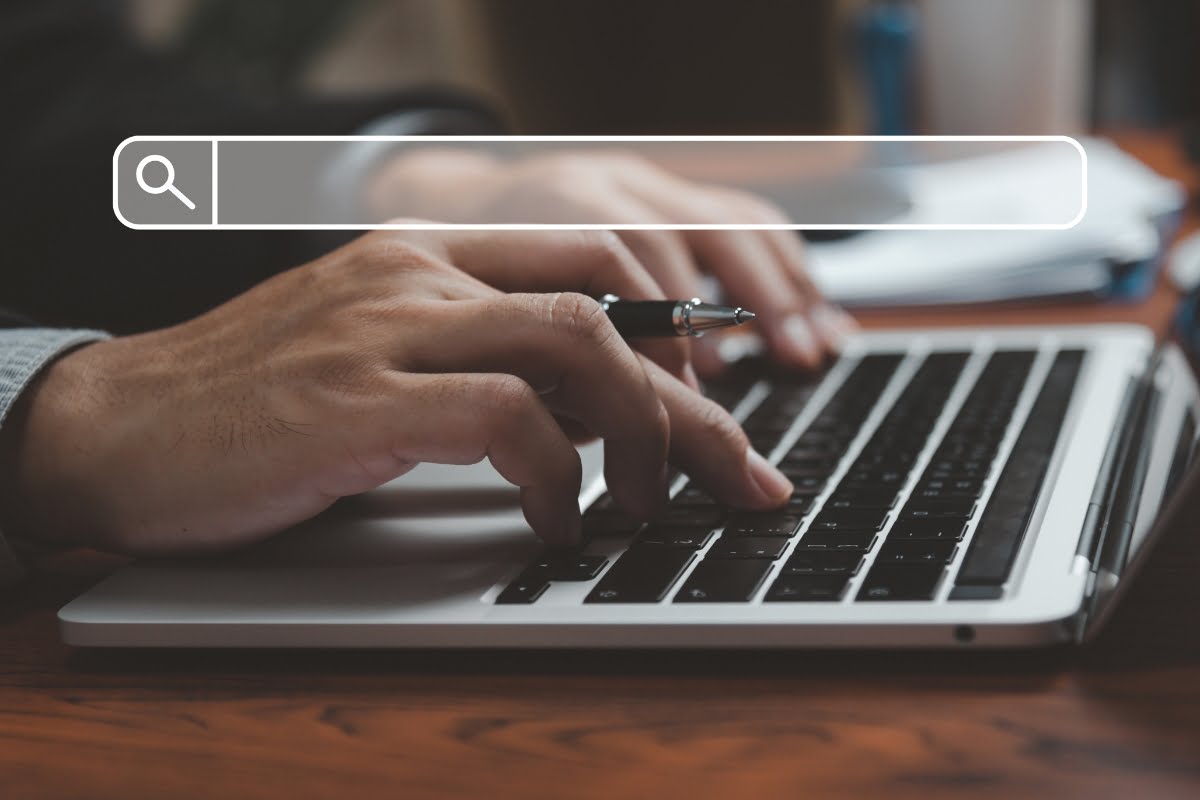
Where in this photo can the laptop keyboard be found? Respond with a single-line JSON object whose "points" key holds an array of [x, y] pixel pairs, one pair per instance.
{"points": [[854, 542]]}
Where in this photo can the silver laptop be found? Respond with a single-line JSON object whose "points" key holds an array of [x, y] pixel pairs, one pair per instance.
{"points": [[974, 487]]}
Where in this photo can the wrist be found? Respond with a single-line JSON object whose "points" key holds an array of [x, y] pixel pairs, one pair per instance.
{"points": [[46, 444]]}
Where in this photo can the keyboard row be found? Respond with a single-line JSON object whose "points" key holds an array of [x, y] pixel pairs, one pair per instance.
{"points": [[739, 549]]}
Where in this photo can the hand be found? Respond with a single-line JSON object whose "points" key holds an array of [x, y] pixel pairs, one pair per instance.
{"points": [[340, 375], [761, 270]]}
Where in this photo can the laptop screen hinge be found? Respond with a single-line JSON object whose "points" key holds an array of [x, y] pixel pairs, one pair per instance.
{"points": [[1108, 525]]}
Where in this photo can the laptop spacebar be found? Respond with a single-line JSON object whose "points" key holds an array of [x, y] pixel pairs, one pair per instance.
{"points": [[993, 549]]}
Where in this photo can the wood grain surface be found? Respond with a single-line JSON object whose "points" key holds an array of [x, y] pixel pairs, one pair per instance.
{"points": [[1118, 719]]}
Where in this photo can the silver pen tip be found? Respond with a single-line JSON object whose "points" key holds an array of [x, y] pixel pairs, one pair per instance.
{"points": [[741, 316]]}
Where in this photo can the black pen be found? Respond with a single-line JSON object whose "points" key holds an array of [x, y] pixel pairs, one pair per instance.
{"points": [[638, 318]]}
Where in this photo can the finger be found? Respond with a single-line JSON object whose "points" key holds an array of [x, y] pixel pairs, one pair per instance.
{"points": [[462, 419], [594, 263], [709, 445], [741, 260], [752, 278], [565, 347], [666, 257], [831, 324]]}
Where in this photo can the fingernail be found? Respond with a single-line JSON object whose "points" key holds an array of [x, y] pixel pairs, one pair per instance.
{"points": [[834, 323], [770, 482], [800, 334]]}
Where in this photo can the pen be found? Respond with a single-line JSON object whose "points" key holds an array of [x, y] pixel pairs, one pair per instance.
{"points": [[638, 318]]}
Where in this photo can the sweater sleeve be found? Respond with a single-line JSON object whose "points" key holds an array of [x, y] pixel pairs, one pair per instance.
{"points": [[24, 352]]}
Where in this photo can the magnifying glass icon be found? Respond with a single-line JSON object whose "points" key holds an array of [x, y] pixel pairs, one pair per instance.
{"points": [[167, 186]]}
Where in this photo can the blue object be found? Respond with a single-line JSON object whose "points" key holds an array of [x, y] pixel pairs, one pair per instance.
{"points": [[1136, 281], [1184, 324], [886, 34]]}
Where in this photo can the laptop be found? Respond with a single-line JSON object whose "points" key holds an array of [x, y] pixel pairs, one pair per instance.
{"points": [[954, 488]]}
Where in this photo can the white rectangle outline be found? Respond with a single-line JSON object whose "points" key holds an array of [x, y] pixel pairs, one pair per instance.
{"points": [[607, 139]]}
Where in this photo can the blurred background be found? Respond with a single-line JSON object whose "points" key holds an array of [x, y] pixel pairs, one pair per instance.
{"points": [[1104, 71], [705, 66]]}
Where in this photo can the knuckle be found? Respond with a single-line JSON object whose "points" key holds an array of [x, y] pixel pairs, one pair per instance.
{"points": [[719, 425], [507, 396], [605, 246], [578, 317], [388, 253], [343, 375]]}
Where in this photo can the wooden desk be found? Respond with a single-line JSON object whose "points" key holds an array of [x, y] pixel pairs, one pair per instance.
{"points": [[1120, 719]]}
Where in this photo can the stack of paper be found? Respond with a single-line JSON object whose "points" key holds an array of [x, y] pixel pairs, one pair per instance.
{"points": [[1129, 212]]}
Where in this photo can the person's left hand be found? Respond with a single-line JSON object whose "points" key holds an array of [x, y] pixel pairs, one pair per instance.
{"points": [[762, 270]]}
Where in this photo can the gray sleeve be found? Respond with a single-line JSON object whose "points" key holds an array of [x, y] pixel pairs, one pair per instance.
{"points": [[23, 354]]}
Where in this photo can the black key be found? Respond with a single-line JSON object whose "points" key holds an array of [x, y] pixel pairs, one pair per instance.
{"points": [[822, 466], [723, 581], [933, 489], [768, 547], [916, 551], [939, 509], [965, 451], [977, 593], [858, 541], [568, 566], [942, 474], [609, 525], [960, 467], [865, 498], [883, 478], [811, 485], [885, 460], [765, 524], [691, 517], [993, 548], [922, 496], [823, 561], [795, 473], [644, 574], [822, 443], [837, 519], [901, 582], [950, 530], [808, 588], [693, 497], [527, 588], [667, 536], [800, 503], [767, 423], [800, 453]]}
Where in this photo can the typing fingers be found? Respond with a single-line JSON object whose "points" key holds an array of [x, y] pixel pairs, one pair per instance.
{"points": [[709, 445], [464, 418], [565, 348]]}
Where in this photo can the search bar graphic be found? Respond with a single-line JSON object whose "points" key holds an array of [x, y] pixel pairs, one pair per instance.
{"points": [[819, 182]]}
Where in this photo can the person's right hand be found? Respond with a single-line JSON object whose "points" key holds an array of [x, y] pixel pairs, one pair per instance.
{"points": [[340, 375]]}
